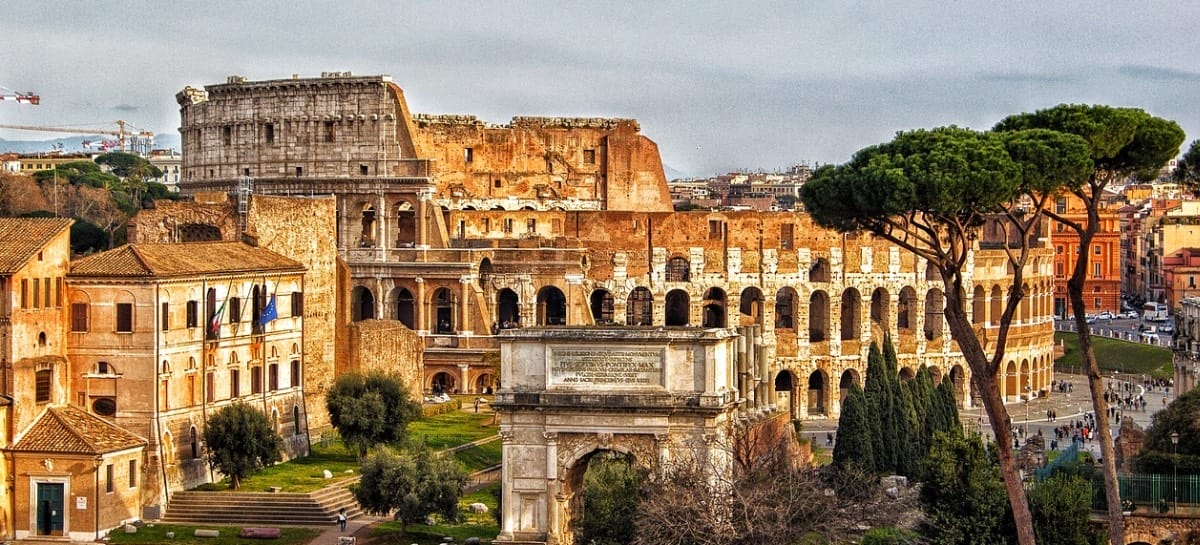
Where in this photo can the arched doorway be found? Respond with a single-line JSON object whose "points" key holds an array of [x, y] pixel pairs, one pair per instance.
{"points": [[443, 311], [406, 225], [678, 308], [508, 313], [443, 383], [750, 306], [485, 273], [957, 378], [934, 306], [816, 393], [906, 374], [785, 385], [818, 317], [851, 314], [485, 383], [904, 310], [363, 305], [405, 308], [602, 306], [596, 484], [639, 309], [714, 308], [785, 309], [551, 306], [881, 302], [368, 238], [849, 379]]}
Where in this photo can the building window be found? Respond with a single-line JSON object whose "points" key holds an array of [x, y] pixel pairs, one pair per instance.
{"points": [[715, 229], [363, 170], [1060, 205], [166, 316], [24, 293], [1058, 249], [330, 132], [256, 380], [124, 317], [46, 292], [210, 387], [295, 376], [269, 132], [227, 135], [133, 471], [37, 301], [496, 184], [235, 310], [297, 304], [235, 383], [193, 314], [42, 381], [1096, 249], [786, 236], [58, 291], [468, 155], [79, 317], [508, 225], [108, 483], [531, 225], [1096, 302], [273, 376], [299, 171], [1096, 270], [589, 156]]}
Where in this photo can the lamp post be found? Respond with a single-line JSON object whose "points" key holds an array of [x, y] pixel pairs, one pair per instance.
{"points": [[1175, 468], [1028, 394]]}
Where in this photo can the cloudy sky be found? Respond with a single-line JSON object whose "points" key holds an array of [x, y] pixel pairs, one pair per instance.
{"points": [[718, 85]]}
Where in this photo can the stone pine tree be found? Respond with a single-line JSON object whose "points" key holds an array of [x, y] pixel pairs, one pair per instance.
{"points": [[878, 407], [1187, 170], [854, 444], [930, 192], [1121, 143], [239, 441]]}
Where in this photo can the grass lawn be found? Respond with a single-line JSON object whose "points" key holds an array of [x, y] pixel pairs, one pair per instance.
{"points": [[452, 429], [1114, 355], [481, 525], [481, 456], [157, 534], [299, 475]]}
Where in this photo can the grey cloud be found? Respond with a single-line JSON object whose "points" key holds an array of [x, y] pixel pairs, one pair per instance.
{"points": [[125, 108], [1157, 73]]}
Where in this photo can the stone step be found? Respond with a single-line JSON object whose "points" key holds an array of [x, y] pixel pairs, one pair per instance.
{"points": [[317, 508]]}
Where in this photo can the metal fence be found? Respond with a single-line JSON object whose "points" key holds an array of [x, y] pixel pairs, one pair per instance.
{"points": [[1152, 492]]}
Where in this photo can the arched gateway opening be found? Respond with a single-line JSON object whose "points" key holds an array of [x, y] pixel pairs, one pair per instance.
{"points": [[585, 416]]}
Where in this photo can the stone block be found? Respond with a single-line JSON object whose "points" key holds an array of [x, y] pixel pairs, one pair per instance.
{"points": [[478, 508], [326, 474], [130, 529], [259, 533], [203, 532]]}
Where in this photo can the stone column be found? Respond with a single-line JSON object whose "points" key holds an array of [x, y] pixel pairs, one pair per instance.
{"points": [[510, 507], [424, 205], [420, 318], [464, 375], [465, 289], [557, 504]]}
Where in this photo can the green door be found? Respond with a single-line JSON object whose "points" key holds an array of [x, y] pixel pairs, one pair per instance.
{"points": [[49, 509]]}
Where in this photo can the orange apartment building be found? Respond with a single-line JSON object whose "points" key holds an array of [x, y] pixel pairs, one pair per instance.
{"points": [[1102, 291]]}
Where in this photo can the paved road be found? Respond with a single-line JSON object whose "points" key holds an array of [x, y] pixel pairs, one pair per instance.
{"points": [[1123, 328], [1031, 416]]}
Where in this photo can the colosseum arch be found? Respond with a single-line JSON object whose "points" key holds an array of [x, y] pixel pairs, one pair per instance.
{"points": [[444, 302], [750, 306], [678, 308], [935, 304], [881, 302], [851, 314], [785, 309], [818, 317], [906, 374], [551, 306], [601, 303], [199, 232], [639, 308], [785, 384], [406, 223], [678, 270], [979, 306], [508, 308], [405, 307], [905, 321], [369, 226], [850, 377], [818, 391], [362, 306], [714, 308], [997, 303]]}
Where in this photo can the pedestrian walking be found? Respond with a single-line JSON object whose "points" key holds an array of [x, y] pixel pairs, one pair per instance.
{"points": [[341, 519]]}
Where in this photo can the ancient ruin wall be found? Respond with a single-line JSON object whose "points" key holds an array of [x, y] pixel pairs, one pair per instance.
{"points": [[388, 346]]}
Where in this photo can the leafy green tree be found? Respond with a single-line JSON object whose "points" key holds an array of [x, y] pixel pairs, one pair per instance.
{"points": [[1158, 454], [410, 485], [1119, 143], [964, 497], [854, 431], [125, 165], [87, 237], [369, 409], [240, 441], [1062, 506], [930, 192], [611, 489]]}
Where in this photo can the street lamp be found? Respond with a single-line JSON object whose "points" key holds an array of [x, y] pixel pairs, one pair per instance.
{"points": [[1175, 467], [1028, 392]]}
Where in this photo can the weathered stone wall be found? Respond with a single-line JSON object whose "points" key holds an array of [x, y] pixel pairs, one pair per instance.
{"points": [[388, 346], [1161, 529]]}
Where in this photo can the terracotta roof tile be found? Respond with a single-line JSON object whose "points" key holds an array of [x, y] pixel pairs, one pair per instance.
{"points": [[69, 430], [21, 238], [182, 259]]}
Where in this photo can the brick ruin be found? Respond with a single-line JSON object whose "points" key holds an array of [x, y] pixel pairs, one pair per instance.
{"points": [[459, 229]]}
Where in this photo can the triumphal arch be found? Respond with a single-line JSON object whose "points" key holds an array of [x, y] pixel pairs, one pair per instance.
{"points": [[656, 395]]}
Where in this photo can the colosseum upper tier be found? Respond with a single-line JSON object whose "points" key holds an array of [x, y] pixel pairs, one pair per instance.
{"points": [[460, 229]]}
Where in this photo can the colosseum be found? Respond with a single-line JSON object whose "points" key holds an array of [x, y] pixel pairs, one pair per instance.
{"points": [[460, 228]]}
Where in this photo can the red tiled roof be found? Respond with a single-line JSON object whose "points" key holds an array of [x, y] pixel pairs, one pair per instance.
{"points": [[69, 430], [182, 259], [21, 238]]}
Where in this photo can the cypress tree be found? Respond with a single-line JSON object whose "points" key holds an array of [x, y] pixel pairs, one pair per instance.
{"points": [[854, 444], [898, 435], [948, 406], [878, 408], [908, 449]]}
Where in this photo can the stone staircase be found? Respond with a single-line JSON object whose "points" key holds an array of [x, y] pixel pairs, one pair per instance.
{"points": [[262, 508]]}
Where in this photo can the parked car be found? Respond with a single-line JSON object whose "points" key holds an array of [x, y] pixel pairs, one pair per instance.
{"points": [[1090, 319], [1131, 315], [1105, 315]]}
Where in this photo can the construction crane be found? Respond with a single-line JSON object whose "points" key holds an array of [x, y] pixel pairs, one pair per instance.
{"points": [[141, 141], [9, 94]]}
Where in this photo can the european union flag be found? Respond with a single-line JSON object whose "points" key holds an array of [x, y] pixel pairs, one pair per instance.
{"points": [[269, 313]]}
